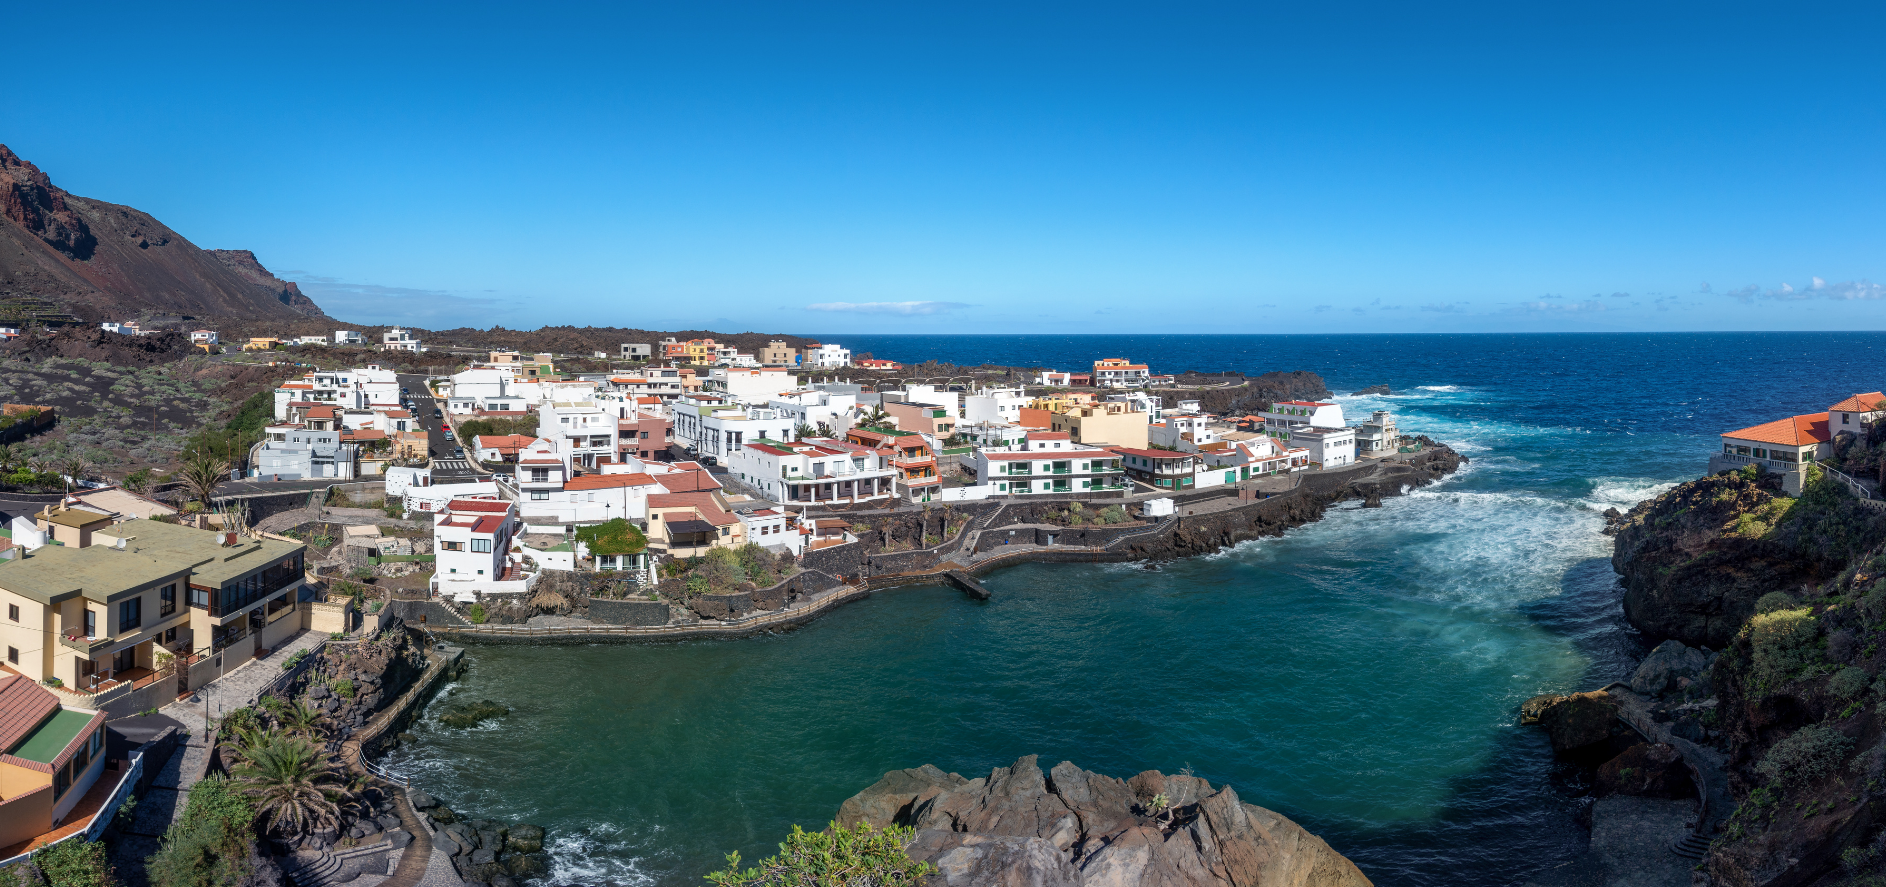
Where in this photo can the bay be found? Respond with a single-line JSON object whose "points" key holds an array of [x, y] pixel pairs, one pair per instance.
{"points": [[1358, 675]]}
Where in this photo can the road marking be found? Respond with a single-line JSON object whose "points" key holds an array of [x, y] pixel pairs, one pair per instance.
{"points": [[451, 464]]}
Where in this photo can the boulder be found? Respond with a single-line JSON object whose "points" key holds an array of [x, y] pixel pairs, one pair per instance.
{"points": [[387, 821], [399, 838], [1645, 771], [1018, 826], [1374, 389], [1579, 720], [529, 866], [1531, 709], [471, 714], [1670, 661], [483, 857], [524, 839]]}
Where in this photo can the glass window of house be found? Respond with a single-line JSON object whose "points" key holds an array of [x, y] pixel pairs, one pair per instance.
{"points": [[130, 614]]}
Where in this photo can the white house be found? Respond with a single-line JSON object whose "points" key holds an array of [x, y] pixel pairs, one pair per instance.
{"points": [[471, 539], [588, 500], [820, 470], [432, 499], [1378, 436], [1050, 462], [349, 337], [397, 339], [363, 388], [1118, 372], [1058, 380], [714, 428], [295, 453], [1856, 413], [825, 356], [1329, 447], [204, 337], [774, 527], [993, 435], [1189, 432], [1150, 404], [749, 386], [1001, 405], [399, 480], [813, 407], [1285, 415], [582, 431]]}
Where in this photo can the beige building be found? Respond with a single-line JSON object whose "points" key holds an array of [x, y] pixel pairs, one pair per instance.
{"points": [[923, 418], [101, 614], [1102, 423], [54, 753], [779, 354]]}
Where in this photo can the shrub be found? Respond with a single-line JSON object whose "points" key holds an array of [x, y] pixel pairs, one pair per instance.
{"points": [[344, 688], [1775, 600], [75, 863], [1810, 753], [1782, 644], [1848, 683], [698, 585], [477, 614], [834, 856], [1873, 603], [209, 845]]}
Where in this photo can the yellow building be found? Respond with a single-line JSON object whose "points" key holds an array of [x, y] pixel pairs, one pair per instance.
{"points": [[98, 616], [1102, 423], [1061, 402], [261, 343], [702, 351], [54, 753]]}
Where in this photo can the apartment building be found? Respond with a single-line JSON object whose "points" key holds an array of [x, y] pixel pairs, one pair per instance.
{"points": [[1050, 462], [1328, 447], [362, 388], [637, 351], [471, 539], [921, 418], [713, 428], [1118, 372], [1285, 415], [1165, 469], [820, 471], [825, 356], [909, 454], [1097, 424], [816, 408], [1378, 436], [644, 435], [994, 405], [582, 431], [748, 386], [779, 354], [1190, 432]]}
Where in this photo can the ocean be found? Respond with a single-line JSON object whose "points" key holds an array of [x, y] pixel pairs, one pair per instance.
{"points": [[1359, 675]]}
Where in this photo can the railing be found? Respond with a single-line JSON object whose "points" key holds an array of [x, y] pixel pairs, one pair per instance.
{"points": [[1859, 489], [106, 812]]}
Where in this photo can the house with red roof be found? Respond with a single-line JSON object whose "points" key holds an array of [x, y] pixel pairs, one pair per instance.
{"points": [[689, 524], [51, 754], [1784, 445], [471, 539]]}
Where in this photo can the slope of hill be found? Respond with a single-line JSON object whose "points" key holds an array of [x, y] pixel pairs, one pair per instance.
{"points": [[102, 261]]}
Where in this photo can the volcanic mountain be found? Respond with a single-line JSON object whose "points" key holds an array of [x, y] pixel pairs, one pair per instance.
{"points": [[102, 261]]}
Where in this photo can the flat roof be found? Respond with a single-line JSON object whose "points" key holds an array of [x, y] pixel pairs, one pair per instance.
{"points": [[54, 573], [212, 564], [72, 517], [44, 744]]}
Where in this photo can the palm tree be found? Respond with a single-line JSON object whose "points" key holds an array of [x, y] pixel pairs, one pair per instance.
{"points": [[302, 718], [294, 785], [201, 475], [75, 467], [9, 458]]}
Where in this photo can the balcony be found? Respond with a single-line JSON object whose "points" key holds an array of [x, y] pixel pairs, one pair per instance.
{"points": [[75, 638]]}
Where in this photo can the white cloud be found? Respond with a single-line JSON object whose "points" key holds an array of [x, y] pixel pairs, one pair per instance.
{"points": [[1844, 291], [904, 308], [1586, 306]]}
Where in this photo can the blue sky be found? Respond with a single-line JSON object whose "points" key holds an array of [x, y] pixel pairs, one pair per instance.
{"points": [[969, 167]]}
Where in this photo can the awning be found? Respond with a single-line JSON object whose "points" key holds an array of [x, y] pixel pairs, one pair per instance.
{"points": [[690, 526]]}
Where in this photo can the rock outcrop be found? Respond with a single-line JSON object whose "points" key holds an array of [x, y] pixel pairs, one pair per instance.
{"points": [[1374, 389], [1072, 828], [104, 261]]}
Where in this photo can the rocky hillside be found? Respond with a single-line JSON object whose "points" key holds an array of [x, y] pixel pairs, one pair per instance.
{"points": [[1793, 593], [1073, 828], [1694, 560], [103, 261]]}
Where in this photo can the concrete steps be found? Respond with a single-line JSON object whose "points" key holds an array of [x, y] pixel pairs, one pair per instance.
{"points": [[1693, 846], [312, 869]]}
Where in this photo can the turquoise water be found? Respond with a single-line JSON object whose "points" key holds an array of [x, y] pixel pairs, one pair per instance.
{"points": [[1358, 675]]}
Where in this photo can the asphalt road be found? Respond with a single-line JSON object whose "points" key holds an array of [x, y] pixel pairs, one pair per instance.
{"points": [[446, 467]]}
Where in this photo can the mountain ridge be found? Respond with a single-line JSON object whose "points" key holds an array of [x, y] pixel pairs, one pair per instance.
{"points": [[105, 261]]}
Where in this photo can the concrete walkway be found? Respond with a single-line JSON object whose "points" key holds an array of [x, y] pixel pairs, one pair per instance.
{"points": [[240, 687]]}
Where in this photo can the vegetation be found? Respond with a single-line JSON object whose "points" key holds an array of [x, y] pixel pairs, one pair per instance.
{"points": [[836, 856], [477, 614], [498, 426], [75, 863], [612, 537], [1776, 600], [344, 688], [209, 846], [231, 441], [1782, 646], [1811, 752], [1849, 682], [201, 475], [725, 569]]}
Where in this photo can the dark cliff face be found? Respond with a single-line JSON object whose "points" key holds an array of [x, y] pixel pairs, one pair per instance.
{"points": [[1694, 560], [105, 261]]}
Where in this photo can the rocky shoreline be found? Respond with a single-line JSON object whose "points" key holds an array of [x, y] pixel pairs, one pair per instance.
{"points": [[1073, 828], [1754, 731]]}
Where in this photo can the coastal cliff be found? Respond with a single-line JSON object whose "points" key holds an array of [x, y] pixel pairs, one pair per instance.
{"points": [[1792, 591], [1072, 828]]}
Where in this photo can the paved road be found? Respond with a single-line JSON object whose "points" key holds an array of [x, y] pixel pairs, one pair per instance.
{"points": [[445, 468]]}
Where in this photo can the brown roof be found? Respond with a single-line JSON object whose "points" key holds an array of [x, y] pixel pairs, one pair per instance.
{"points": [[606, 481], [24, 705], [687, 481], [1859, 403], [702, 503], [1795, 431]]}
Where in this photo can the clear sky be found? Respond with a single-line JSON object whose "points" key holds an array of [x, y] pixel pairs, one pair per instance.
{"points": [[995, 167]]}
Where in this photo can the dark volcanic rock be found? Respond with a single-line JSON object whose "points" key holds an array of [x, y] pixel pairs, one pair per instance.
{"points": [[1374, 389], [1646, 771], [471, 714], [1579, 720], [1670, 662], [1018, 826]]}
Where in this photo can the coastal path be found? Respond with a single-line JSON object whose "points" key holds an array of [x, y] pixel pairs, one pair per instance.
{"points": [[1708, 767]]}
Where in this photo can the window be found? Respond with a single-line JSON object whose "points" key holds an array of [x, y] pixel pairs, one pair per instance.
{"points": [[13, 612], [167, 600], [170, 635], [539, 495], [91, 623], [452, 546], [482, 545], [13, 655], [199, 597], [130, 614]]}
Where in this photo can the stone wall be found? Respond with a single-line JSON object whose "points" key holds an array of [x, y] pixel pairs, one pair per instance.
{"points": [[629, 612]]}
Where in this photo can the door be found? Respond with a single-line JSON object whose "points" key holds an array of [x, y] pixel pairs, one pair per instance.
{"points": [[124, 660]]}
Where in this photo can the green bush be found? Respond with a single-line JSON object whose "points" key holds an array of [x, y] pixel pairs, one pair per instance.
{"points": [[75, 863], [477, 614], [1782, 644], [835, 856], [1873, 603], [1810, 753], [210, 845], [1849, 682], [344, 688], [1776, 600]]}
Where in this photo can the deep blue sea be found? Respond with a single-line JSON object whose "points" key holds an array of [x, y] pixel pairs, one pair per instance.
{"points": [[1359, 675]]}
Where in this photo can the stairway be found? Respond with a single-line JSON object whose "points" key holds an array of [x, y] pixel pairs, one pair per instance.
{"points": [[312, 869], [1693, 846]]}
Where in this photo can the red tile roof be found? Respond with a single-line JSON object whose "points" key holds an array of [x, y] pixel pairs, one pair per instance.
{"points": [[1859, 403], [24, 705], [687, 481], [482, 505], [1795, 431], [609, 481], [1048, 435], [703, 505]]}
